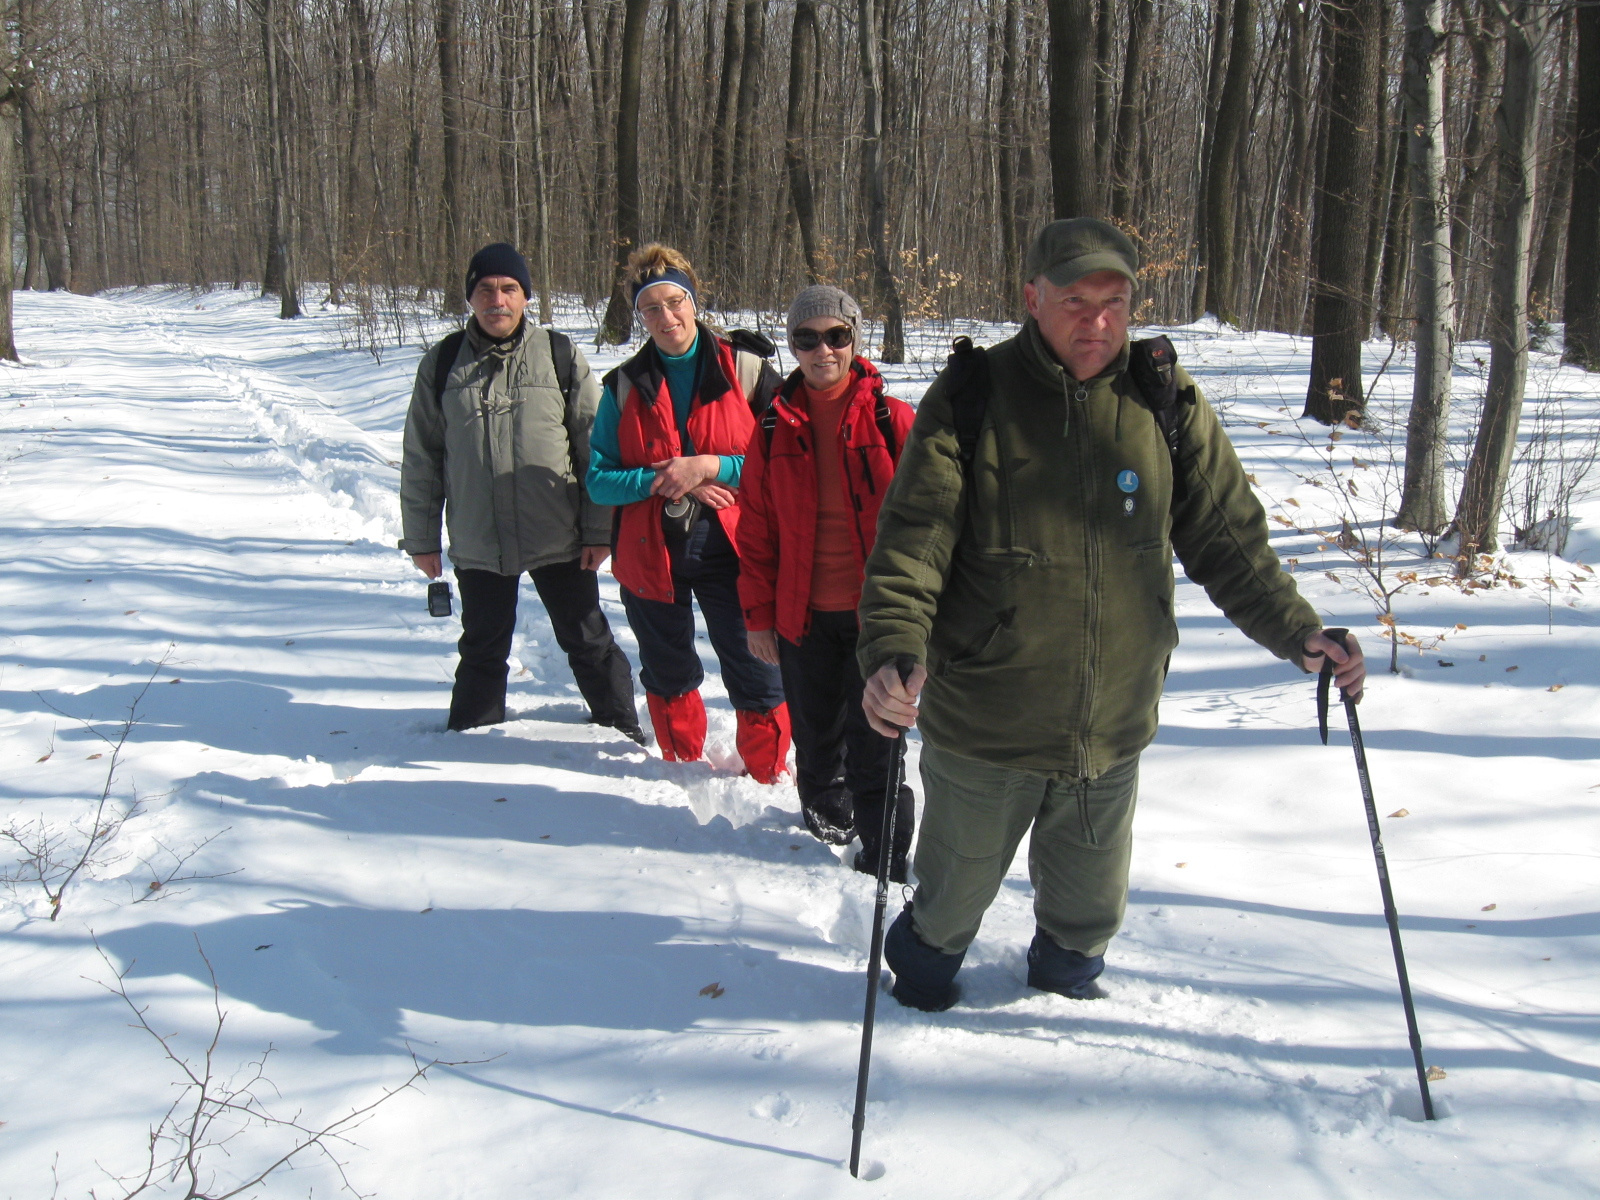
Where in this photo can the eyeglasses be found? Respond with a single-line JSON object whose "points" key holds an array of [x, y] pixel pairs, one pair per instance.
{"points": [[651, 312], [837, 338]]}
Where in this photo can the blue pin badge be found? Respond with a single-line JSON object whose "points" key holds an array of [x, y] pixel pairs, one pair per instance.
{"points": [[1128, 482]]}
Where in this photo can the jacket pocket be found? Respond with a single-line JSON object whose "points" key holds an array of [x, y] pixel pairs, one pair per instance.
{"points": [[973, 653]]}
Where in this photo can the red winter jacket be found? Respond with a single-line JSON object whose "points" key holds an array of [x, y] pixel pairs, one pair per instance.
{"points": [[720, 422], [777, 533]]}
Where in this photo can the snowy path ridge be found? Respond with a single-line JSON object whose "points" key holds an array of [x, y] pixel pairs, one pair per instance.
{"points": [[650, 973]]}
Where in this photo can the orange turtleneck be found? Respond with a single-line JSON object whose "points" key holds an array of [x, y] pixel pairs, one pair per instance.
{"points": [[835, 574]]}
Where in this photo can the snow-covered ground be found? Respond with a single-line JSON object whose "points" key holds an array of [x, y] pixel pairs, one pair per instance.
{"points": [[648, 975]]}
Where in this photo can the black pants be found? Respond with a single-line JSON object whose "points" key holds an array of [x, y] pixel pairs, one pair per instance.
{"points": [[706, 568], [834, 747], [571, 597]]}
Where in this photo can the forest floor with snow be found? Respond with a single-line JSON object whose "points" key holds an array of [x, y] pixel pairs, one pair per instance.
{"points": [[646, 979]]}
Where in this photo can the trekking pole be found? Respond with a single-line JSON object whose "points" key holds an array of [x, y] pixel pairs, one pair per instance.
{"points": [[1389, 913], [891, 801]]}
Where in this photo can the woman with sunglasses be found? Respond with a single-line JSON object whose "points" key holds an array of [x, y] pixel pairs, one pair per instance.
{"points": [[667, 449], [814, 476]]}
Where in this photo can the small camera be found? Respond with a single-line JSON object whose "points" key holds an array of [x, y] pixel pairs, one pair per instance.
{"points": [[439, 599]]}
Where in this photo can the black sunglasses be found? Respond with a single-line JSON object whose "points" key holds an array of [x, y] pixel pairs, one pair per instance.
{"points": [[837, 338]]}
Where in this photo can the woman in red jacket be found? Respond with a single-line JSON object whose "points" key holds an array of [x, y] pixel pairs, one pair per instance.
{"points": [[814, 476], [667, 448]]}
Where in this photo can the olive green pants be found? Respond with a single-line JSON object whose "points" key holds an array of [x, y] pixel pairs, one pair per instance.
{"points": [[974, 816]]}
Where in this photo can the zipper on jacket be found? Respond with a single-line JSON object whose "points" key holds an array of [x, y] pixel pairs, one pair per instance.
{"points": [[866, 471], [1091, 607]]}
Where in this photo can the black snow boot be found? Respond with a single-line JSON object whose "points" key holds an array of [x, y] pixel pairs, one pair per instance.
{"points": [[1064, 972], [867, 864], [829, 815], [628, 728], [923, 976], [869, 827]]}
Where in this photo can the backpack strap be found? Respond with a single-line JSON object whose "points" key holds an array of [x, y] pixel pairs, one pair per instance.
{"points": [[564, 357], [768, 420], [1152, 366], [886, 426], [448, 350], [969, 396], [757, 380]]}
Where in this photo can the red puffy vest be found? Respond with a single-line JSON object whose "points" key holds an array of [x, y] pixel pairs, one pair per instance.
{"points": [[720, 422]]}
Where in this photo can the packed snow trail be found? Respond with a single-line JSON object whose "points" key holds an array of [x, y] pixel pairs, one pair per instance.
{"points": [[649, 974]]}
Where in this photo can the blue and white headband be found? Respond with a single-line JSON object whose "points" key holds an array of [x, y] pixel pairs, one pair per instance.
{"points": [[665, 275]]}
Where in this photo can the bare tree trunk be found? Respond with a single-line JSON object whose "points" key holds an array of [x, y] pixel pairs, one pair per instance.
{"points": [[541, 186], [279, 275], [1072, 176], [1423, 505], [451, 299], [1517, 153], [1222, 176], [1216, 72], [1130, 113], [1105, 91], [675, 219], [872, 184], [8, 190], [45, 265], [744, 136], [803, 41], [618, 323], [1013, 221], [718, 259], [1338, 311], [1582, 307]]}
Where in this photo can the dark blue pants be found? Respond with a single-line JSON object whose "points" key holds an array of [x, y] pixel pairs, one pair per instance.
{"points": [[571, 597], [704, 569]]}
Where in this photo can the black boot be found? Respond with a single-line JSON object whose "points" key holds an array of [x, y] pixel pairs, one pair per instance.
{"points": [[869, 827], [867, 864], [923, 976], [1064, 972], [829, 815]]}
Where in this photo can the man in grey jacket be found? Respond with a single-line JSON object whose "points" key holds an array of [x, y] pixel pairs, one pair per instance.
{"points": [[502, 449]]}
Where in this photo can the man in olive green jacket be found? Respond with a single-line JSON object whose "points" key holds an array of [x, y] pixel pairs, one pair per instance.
{"points": [[1027, 601], [503, 450]]}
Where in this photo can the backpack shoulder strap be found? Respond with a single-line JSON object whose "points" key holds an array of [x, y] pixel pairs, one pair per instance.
{"points": [[768, 420], [1153, 367], [969, 396], [564, 357], [448, 349], [885, 421], [749, 339]]}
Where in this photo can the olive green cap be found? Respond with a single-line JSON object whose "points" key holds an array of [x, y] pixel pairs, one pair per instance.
{"points": [[1066, 251]]}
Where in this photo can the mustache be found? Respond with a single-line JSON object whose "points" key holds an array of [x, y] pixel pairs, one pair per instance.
{"points": [[499, 310]]}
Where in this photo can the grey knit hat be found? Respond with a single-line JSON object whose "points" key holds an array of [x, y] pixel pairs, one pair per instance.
{"points": [[823, 300]]}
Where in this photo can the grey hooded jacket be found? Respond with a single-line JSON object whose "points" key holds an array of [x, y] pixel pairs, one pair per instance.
{"points": [[503, 454]]}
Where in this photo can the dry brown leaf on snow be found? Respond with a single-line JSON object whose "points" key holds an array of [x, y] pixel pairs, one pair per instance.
{"points": [[1489, 908], [1401, 812], [1555, 687], [1435, 1074], [45, 758], [714, 990]]}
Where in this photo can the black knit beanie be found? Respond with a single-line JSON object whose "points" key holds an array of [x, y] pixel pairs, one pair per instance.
{"points": [[499, 258]]}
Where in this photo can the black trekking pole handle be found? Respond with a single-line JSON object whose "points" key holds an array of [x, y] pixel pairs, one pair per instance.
{"points": [[891, 799], [1390, 914]]}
